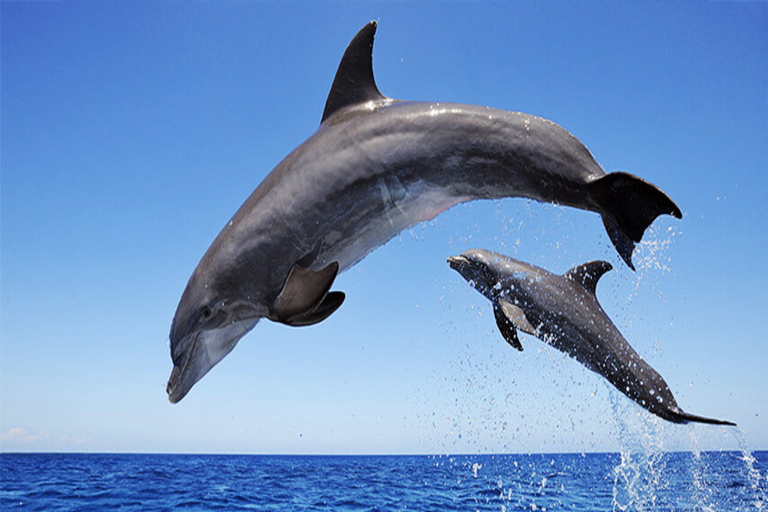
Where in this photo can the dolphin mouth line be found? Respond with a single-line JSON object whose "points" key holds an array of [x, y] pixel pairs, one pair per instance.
{"points": [[177, 371], [456, 262]]}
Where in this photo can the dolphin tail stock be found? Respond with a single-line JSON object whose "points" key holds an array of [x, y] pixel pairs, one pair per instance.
{"points": [[678, 416], [629, 205]]}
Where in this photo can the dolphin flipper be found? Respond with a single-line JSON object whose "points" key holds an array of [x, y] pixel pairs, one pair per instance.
{"points": [[506, 327], [517, 316], [509, 318], [304, 299], [331, 302], [628, 206]]}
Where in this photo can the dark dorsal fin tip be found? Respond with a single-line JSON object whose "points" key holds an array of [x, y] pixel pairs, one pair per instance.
{"points": [[354, 82], [588, 274]]}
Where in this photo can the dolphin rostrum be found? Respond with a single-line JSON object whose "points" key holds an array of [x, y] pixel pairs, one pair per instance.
{"points": [[377, 166], [563, 311]]}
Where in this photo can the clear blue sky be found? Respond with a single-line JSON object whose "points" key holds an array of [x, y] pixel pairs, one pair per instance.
{"points": [[132, 131]]}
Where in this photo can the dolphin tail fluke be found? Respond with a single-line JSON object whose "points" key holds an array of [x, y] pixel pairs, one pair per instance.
{"points": [[679, 416], [628, 206]]}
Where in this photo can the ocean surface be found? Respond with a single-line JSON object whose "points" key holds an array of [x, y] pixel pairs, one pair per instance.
{"points": [[709, 481]]}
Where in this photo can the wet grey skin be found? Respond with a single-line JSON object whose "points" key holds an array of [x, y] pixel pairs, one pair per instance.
{"points": [[563, 311], [374, 167]]}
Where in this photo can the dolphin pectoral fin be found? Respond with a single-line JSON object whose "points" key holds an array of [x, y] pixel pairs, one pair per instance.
{"points": [[588, 274], [629, 205], [305, 292], [506, 328], [330, 303], [516, 315]]}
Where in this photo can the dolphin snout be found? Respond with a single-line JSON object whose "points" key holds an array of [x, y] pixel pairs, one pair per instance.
{"points": [[172, 385], [457, 262], [183, 376]]}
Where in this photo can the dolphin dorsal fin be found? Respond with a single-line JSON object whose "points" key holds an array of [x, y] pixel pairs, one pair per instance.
{"points": [[588, 274], [354, 82]]}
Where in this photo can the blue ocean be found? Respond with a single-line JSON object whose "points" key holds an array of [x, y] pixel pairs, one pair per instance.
{"points": [[709, 481]]}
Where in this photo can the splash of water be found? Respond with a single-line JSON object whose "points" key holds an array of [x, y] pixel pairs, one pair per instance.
{"points": [[651, 253], [702, 493], [639, 477], [756, 481], [649, 477]]}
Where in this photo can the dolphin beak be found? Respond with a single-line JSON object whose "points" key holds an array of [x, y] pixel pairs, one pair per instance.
{"points": [[176, 387], [200, 351], [172, 386], [457, 262], [184, 373]]}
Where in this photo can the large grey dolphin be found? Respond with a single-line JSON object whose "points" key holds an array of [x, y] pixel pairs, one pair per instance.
{"points": [[377, 166], [564, 312]]}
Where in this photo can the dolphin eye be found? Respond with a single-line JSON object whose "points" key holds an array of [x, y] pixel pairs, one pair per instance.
{"points": [[206, 313]]}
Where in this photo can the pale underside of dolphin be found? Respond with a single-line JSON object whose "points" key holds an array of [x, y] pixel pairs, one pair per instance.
{"points": [[374, 167], [563, 311]]}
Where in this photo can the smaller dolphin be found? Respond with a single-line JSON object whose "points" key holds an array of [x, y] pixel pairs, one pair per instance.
{"points": [[564, 312]]}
